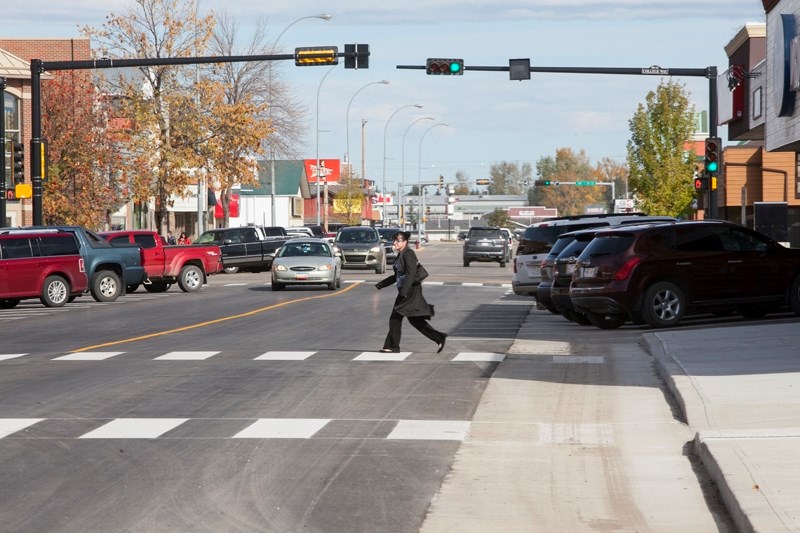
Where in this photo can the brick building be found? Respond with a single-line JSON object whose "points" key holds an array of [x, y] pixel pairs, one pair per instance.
{"points": [[15, 56]]}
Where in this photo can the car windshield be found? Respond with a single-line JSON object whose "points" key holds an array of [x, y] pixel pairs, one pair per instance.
{"points": [[357, 237], [304, 249]]}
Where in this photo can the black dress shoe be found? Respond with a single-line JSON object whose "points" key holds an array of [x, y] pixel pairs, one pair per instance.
{"points": [[441, 344]]}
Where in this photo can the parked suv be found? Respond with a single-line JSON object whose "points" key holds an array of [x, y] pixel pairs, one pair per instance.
{"points": [[361, 248], [46, 265], [658, 274], [485, 244], [538, 238]]}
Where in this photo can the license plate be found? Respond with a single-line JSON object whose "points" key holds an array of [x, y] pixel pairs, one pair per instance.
{"points": [[485, 243], [301, 276], [588, 272]]}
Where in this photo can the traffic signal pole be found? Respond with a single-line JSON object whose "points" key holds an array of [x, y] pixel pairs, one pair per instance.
{"points": [[520, 72], [355, 56], [2, 161]]}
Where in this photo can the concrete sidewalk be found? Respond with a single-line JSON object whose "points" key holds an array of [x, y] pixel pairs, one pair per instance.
{"points": [[739, 389]]}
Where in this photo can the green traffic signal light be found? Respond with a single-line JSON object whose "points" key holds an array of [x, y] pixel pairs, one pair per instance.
{"points": [[447, 67], [711, 166]]}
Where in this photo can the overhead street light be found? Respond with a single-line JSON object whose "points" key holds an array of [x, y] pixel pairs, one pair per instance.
{"points": [[325, 17], [347, 115], [402, 191], [383, 185], [419, 181]]}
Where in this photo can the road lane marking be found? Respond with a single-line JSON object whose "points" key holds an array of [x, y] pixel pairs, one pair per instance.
{"points": [[282, 428], [186, 356], [87, 356], [284, 356], [4, 356], [134, 428], [429, 430], [381, 356], [215, 321], [12, 425], [479, 357]]}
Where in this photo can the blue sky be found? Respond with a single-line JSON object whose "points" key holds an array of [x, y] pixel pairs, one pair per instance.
{"points": [[490, 118]]}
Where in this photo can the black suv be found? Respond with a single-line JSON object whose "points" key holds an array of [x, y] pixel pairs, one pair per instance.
{"points": [[658, 274], [485, 244]]}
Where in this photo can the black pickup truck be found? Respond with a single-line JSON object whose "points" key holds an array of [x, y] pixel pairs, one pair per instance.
{"points": [[250, 248]]}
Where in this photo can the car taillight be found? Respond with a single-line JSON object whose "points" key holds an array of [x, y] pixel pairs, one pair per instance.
{"points": [[625, 270], [81, 265]]}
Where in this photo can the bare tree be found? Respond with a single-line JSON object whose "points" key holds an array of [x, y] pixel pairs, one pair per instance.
{"points": [[261, 84]]}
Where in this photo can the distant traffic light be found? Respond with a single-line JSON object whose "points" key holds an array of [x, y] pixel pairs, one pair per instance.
{"points": [[447, 67], [544, 183], [316, 55], [18, 162], [713, 155], [441, 181]]}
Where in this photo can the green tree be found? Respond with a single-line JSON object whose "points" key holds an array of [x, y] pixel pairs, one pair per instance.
{"points": [[568, 199], [462, 183], [660, 168], [499, 218], [509, 178]]}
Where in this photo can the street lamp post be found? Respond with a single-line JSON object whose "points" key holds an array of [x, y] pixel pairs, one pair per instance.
{"points": [[383, 184], [325, 17], [419, 181], [402, 191], [347, 115], [319, 204]]}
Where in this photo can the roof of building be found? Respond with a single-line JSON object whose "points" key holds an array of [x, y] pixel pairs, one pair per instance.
{"points": [[290, 179], [12, 66]]}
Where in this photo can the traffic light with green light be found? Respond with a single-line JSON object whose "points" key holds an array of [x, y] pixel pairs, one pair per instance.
{"points": [[445, 67], [542, 183], [713, 155]]}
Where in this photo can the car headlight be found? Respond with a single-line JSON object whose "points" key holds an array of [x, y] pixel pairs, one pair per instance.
{"points": [[325, 267], [281, 268], [375, 249]]}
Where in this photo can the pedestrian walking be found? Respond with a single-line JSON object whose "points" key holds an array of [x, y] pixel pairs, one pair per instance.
{"points": [[410, 302], [183, 239], [170, 238]]}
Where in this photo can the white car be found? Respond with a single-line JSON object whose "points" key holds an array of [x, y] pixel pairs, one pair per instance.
{"points": [[305, 261]]}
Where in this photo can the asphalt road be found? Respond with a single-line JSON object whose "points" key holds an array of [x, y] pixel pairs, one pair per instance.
{"points": [[240, 409]]}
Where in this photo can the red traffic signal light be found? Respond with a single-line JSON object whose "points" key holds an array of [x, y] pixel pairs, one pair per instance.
{"points": [[446, 67], [700, 184]]}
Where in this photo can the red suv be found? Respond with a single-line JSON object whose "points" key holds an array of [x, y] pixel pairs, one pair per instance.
{"points": [[47, 266], [658, 274]]}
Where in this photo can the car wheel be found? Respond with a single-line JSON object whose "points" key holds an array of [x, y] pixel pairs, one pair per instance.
{"points": [[8, 304], [106, 286], [230, 270], [663, 305], [794, 296], [55, 291], [190, 279], [157, 286], [131, 288], [278, 286], [606, 321], [502, 264], [332, 285]]}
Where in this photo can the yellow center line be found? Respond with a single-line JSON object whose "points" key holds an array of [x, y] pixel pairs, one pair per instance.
{"points": [[215, 321]]}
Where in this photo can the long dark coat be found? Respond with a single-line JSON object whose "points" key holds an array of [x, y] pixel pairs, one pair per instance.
{"points": [[410, 301]]}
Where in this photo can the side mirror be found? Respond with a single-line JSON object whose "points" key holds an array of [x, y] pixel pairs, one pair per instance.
{"points": [[227, 241]]}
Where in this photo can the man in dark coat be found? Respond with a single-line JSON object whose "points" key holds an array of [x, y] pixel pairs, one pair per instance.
{"points": [[410, 302]]}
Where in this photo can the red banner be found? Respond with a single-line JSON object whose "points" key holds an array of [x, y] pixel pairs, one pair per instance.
{"points": [[330, 170]]}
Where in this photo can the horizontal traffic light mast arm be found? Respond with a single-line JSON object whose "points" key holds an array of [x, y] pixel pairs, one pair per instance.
{"points": [[644, 71], [40, 66]]}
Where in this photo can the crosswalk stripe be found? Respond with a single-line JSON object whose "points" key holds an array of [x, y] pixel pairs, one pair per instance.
{"points": [[479, 357], [186, 356], [282, 428], [134, 428], [284, 356], [381, 356], [12, 425], [10, 355], [87, 356]]}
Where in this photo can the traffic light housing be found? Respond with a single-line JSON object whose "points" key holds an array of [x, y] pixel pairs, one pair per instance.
{"points": [[542, 183], [316, 55], [441, 181], [445, 67], [713, 159], [18, 162]]}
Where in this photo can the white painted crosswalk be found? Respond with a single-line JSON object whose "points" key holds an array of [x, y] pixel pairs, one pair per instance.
{"points": [[461, 357], [261, 428]]}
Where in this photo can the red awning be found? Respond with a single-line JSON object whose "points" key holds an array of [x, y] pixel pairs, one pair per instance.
{"points": [[233, 207]]}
